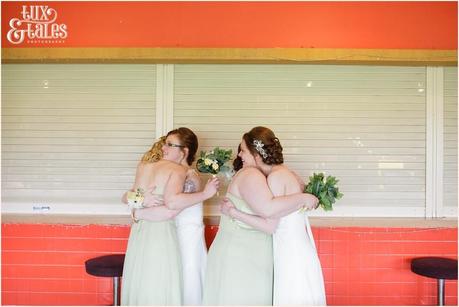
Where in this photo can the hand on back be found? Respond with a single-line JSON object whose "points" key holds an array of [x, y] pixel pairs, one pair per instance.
{"points": [[151, 199], [226, 205]]}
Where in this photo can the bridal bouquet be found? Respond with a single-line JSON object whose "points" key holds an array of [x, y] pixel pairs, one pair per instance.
{"points": [[214, 161], [135, 199], [324, 189]]}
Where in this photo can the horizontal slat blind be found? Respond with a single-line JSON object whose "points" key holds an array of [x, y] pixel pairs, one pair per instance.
{"points": [[363, 124], [74, 133], [450, 183]]}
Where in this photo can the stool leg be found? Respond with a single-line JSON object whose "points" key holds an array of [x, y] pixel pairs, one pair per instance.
{"points": [[441, 292], [116, 292]]}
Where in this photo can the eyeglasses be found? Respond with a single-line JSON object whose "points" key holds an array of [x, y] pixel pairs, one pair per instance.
{"points": [[168, 144]]}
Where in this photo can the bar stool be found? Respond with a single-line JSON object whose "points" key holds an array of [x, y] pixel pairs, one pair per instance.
{"points": [[108, 266], [436, 267]]}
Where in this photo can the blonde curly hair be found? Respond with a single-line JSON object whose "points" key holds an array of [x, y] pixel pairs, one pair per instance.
{"points": [[155, 153]]}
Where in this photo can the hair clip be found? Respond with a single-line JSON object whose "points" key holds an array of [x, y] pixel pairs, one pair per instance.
{"points": [[259, 147]]}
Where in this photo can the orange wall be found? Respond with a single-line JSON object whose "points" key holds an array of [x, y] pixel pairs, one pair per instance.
{"points": [[380, 25], [44, 264]]}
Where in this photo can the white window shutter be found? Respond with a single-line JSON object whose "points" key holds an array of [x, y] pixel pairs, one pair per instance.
{"points": [[72, 135]]}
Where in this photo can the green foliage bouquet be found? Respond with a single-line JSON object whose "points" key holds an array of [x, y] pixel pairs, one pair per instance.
{"points": [[324, 189], [214, 161]]}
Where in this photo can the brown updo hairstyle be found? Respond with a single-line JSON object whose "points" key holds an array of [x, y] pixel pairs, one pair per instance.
{"points": [[237, 163], [271, 145], [156, 151], [188, 139]]}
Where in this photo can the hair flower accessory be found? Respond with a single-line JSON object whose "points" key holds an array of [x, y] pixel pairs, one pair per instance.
{"points": [[259, 147]]}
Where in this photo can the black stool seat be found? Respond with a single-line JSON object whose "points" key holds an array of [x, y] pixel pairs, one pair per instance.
{"points": [[106, 266], [435, 267]]}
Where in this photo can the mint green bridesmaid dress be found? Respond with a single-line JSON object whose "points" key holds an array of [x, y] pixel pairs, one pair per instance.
{"points": [[239, 264], [152, 273]]}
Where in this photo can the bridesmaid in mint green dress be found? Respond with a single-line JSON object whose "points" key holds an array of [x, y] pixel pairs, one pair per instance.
{"points": [[152, 268], [240, 264], [152, 273], [240, 259]]}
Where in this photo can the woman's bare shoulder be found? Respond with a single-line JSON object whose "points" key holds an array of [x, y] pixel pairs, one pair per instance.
{"points": [[249, 170], [145, 166], [279, 171], [165, 168], [192, 174], [248, 173], [244, 179], [283, 179]]}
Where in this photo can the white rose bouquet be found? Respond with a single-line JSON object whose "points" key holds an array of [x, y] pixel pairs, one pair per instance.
{"points": [[214, 161]]}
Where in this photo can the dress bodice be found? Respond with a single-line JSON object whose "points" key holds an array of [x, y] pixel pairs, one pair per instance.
{"points": [[293, 222], [193, 214], [294, 225], [242, 206], [296, 264]]}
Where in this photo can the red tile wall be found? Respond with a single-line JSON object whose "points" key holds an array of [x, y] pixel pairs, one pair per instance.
{"points": [[44, 264]]}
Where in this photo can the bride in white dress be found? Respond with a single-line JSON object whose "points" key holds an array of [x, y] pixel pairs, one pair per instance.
{"points": [[193, 251], [298, 278]]}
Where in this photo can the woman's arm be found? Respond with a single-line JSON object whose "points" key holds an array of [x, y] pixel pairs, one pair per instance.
{"points": [[279, 183], [266, 225], [161, 212], [175, 199], [155, 214], [299, 180], [263, 203], [141, 180], [150, 199]]}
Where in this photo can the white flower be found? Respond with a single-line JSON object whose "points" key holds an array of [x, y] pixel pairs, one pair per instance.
{"points": [[207, 161], [135, 199], [215, 166]]}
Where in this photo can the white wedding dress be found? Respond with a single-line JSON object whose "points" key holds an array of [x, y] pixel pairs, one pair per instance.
{"points": [[298, 278], [193, 251]]}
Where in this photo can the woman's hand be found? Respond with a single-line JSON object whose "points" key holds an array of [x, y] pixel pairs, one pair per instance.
{"points": [[312, 202], [226, 205], [151, 199], [211, 187]]}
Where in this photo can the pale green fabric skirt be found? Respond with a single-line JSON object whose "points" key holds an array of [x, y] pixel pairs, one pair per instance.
{"points": [[239, 267], [152, 269]]}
